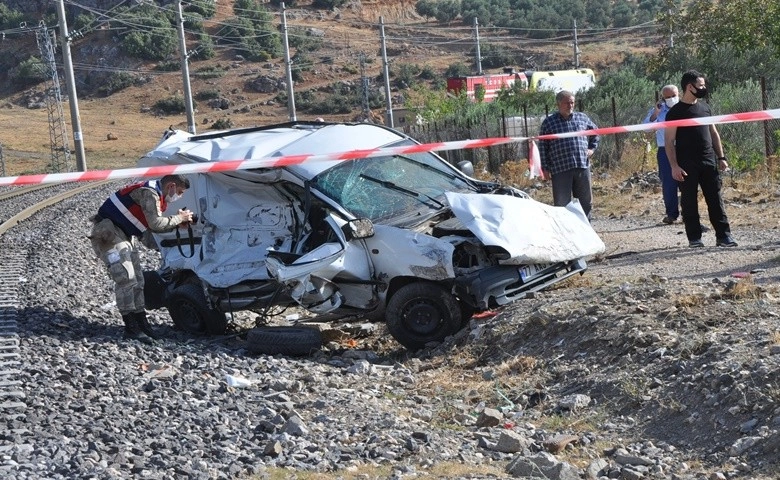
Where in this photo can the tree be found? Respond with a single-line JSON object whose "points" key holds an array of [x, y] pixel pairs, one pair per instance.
{"points": [[623, 14], [447, 10], [457, 70], [599, 13], [426, 8], [205, 8], [153, 38], [252, 32], [746, 25]]}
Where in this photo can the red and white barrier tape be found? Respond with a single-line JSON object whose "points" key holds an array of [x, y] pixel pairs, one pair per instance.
{"points": [[232, 165]]}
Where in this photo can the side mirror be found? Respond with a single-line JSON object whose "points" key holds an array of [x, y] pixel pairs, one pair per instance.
{"points": [[358, 228], [466, 167]]}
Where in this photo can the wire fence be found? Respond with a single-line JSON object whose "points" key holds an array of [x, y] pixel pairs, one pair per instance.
{"points": [[747, 145]]}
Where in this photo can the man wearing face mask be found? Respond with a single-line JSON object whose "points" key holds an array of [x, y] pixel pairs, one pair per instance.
{"points": [[696, 160], [132, 213], [669, 98]]}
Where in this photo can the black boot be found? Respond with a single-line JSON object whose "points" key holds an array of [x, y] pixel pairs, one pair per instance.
{"points": [[133, 330], [143, 324]]}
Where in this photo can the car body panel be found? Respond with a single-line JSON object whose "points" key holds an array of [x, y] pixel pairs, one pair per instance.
{"points": [[530, 231]]}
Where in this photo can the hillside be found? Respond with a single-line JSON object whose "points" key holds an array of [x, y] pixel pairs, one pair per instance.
{"points": [[120, 127]]}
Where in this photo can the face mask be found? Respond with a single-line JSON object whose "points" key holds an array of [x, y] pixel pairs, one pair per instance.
{"points": [[172, 197], [671, 101], [700, 92]]}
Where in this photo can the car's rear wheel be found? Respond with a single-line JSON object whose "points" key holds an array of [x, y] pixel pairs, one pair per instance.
{"points": [[293, 341], [420, 313], [190, 312]]}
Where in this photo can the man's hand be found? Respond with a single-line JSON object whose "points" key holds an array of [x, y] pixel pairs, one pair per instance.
{"points": [[678, 173], [186, 214], [723, 164]]}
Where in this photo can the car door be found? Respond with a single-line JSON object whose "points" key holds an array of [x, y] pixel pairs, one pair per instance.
{"points": [[333, 274]]}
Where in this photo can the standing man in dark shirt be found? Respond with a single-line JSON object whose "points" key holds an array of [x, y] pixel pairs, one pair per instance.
{"points": [[696, 160], [567, 160]]}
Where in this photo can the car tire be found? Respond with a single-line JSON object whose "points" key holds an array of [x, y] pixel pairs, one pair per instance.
{"points": [[154, 290], [419, 313], [292, 341], [190, 312], [466, 312]]}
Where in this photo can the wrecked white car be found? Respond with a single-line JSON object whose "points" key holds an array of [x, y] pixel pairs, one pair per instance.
{"points": [[409, 236]]}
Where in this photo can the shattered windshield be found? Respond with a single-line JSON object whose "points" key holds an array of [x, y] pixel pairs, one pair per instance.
{"points": [[385, 187]]}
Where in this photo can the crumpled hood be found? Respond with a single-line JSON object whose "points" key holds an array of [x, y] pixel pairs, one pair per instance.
{"points": [[531, 231]]}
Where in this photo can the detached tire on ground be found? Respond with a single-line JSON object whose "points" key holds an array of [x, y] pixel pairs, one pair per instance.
{"points": [[420, 313], [190, 312], [293, 341]]}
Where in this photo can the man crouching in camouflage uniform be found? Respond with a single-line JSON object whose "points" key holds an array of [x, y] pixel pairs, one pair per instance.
{"points": [[127, 214]]}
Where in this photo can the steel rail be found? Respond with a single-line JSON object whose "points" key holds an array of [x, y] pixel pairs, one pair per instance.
{"points": [[33, 209]]}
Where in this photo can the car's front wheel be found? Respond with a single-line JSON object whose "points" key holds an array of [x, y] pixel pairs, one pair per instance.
{"points": [[190, 312], [420, 312]]}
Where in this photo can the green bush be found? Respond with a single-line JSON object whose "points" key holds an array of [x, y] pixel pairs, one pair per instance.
{"points": [[10, 18], [171, 105], [252, 34], [28, 72], [333, 104], [302, 40], [168, 66], [193, 22], [204, 95], [205, 48], [458, 69], [406, 75], [222, 124], [117, 81], [82, 21], [210, 72], [206, 8], [152, 37], [329, 4]]}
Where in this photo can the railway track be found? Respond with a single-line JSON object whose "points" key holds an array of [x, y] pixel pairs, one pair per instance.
{"points": [[19, 204], [27, 212], [12, 404]]}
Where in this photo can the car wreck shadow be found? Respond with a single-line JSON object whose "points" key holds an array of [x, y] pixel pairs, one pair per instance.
{"points": [[758, 261], [39, 324], [39, 321]]}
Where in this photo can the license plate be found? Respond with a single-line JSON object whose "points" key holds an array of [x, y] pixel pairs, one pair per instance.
{"points": [[528, 271]]}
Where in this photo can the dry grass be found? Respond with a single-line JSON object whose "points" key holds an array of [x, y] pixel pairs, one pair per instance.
{"points": [[743, 289], [371, 472]]}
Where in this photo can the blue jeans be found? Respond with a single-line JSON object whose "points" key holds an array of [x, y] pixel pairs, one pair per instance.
{"points": [[668, 185]]}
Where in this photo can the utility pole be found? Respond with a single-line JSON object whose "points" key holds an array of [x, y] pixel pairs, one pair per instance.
{"points": [[288, 63], [70, 81], [386, 66], [185, 71], [479, 54], [364, 86], [576, 47]]}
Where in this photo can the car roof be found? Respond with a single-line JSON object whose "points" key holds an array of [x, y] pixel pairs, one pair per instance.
{"points": [[294, 138]]}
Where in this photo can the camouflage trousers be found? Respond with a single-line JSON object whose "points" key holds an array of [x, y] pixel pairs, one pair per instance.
{"points": [[121, 258]]}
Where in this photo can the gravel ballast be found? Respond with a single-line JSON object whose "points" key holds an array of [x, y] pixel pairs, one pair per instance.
{"points": [[653, 363]]}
